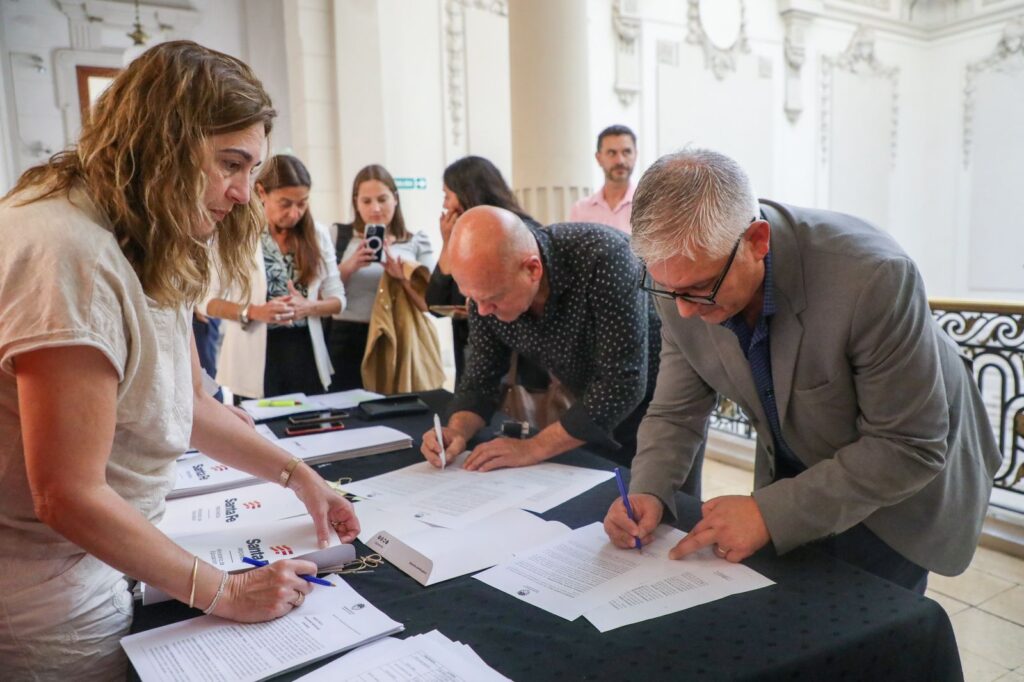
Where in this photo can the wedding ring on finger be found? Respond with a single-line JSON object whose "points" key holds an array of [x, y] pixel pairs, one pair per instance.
{"points": [[298, 602], [721, 551]]}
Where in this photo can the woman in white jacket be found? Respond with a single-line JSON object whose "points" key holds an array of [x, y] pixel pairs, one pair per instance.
{"points": [[273, 339]]}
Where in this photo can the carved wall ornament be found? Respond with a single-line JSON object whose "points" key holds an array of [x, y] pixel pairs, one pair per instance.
{"points": [[859, 58], [1007, 57], [455, 64], [795, 53], [626, 22], [721, 59]]}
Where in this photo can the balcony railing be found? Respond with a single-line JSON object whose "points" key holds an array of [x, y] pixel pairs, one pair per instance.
{"points": [[990, 334]]}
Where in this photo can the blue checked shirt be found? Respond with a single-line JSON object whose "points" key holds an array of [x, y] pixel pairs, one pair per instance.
{"points": [[754, 343]]}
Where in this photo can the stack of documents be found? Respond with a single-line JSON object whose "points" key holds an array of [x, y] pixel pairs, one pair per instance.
{"points": [[422, 657], [583, 574], [264, 522], [330, 619], [203, 474], [436, 525]]}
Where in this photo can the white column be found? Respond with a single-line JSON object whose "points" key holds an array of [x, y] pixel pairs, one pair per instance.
{"points": [[552, 150]]}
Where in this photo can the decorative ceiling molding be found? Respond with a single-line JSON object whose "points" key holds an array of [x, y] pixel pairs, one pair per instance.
{"points": [[87, 18], [1008, 55], [720, 60], [858, 59], [455, 66], [627, 25]]}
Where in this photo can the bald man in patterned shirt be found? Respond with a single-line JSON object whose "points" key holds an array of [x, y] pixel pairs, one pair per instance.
{"points": [[567, 298]]}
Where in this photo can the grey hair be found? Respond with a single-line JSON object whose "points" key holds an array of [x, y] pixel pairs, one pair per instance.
{"points": [[695, 202]]}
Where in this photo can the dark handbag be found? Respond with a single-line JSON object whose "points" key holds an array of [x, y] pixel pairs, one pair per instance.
{"points": [[540, 408], [394, 406]]}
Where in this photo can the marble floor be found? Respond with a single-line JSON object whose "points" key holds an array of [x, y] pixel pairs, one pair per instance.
{"points": [[985, 604]]}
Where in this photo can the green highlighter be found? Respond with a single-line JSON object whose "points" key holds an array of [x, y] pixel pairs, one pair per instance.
{"points": [[278, 403]]}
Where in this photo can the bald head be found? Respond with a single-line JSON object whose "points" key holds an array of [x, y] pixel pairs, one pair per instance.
{"points": [[495, 260]]}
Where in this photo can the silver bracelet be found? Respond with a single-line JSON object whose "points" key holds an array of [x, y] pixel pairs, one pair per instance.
{"points": [[220, 590]]}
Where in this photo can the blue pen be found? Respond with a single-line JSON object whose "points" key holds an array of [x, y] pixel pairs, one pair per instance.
{"points": [[308, 578], [625, 501]]}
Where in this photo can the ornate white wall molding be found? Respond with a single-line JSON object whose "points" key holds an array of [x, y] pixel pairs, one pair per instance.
{"points": [[626, 22], [1009, 54], [721, 59], [858, 59], [86, 19], [795, 53], [455, 66]]}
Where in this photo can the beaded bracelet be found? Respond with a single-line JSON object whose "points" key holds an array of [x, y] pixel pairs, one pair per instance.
{"points": [[192, 593], [220, 591]]}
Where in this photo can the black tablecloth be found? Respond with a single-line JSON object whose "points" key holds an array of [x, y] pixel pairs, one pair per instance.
{"points": [[822, 620]]}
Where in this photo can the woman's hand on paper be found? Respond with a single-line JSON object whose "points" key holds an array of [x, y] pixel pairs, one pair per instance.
{"points": [[266, 593], [621, 530], [331, 512], [501, 453], [454, 444]]}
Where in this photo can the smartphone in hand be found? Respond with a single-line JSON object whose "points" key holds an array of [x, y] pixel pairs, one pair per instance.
{"points": [[374, 235]]}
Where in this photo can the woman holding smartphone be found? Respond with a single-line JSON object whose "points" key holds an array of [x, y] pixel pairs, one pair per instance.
{"points": [[107, 248], [273, 338], [361, 266], [470, 181]]}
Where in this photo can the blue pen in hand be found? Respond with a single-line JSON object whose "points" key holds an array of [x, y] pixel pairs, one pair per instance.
{"points": [[308, 578], [625, 501]]}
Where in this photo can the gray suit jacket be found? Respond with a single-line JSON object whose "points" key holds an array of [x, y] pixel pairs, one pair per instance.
{"points": [[873, 398]]}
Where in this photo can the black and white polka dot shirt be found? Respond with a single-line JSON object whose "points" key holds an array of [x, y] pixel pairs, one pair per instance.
{"points": [[598, 334]]}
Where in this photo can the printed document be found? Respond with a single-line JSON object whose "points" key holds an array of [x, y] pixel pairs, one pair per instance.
{"points": [[303, 404], [331, 619], [554, 483], [430, 657], [248, 506], [203, 474], [584, 573]]}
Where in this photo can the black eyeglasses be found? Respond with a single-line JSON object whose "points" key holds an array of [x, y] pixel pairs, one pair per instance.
{"points": [[647, 284]]}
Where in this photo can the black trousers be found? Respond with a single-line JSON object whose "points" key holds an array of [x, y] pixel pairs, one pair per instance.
{"points": [[347, 343], [290, 366]]}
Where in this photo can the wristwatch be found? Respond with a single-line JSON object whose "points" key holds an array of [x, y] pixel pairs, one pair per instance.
{"points": [[243, 316]]}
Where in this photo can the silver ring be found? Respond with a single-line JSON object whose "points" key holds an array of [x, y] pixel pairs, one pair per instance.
{"points": [[277, 318], [722, 552], [298, 602]]}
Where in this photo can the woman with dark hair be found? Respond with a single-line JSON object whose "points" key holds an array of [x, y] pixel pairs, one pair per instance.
{"points": [[274, 340], [470, 181], [107, 248], [375, 202]]}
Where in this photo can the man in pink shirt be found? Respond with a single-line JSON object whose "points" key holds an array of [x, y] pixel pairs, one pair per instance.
{"points": [[613, 203]]}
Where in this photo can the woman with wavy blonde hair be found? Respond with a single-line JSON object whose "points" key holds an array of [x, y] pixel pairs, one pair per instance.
{"points": [[106, 249]]}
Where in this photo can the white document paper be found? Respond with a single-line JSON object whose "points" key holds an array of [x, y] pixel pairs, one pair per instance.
{"points": [[554, 483], [569, 576], [346, 400], [203, 474], [258, 413], [696, 579], [433, 555], [331, 619], [430, 657], [558, 482], [248, 506], [585, 574]]}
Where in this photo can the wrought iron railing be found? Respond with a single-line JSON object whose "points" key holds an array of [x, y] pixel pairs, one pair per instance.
{"points": [[992, 335]]}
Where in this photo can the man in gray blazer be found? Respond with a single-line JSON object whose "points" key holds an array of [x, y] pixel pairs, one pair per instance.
{"points": [[872, 436]]}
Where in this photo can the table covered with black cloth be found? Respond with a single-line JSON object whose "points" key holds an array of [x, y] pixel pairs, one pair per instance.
{"points": [[822, 620]]}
